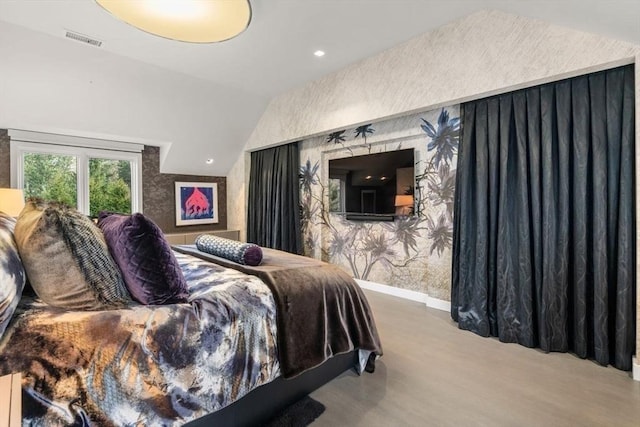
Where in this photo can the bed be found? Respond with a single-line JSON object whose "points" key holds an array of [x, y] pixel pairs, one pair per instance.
{"points": [[234, 353]]}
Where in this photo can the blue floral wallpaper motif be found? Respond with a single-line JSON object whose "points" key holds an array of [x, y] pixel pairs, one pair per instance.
{"points": [[412, 252], [441, 180]]}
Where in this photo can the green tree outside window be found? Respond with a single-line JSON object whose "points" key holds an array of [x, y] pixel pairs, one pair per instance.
{"points": [[53, 177], [109, 186]]}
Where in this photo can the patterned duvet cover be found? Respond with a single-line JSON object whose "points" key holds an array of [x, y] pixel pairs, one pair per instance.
{"points": [[146, 365]]}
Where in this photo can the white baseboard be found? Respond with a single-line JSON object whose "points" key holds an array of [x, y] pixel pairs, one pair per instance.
{"points": [[636, 368], [438, 304], [406, 294]]}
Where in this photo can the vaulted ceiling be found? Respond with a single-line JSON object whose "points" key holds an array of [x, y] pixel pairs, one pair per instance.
{"points": [[275, 53]]}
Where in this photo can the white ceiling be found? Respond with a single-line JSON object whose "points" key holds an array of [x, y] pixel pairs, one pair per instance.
{"points": [[275, 53]]}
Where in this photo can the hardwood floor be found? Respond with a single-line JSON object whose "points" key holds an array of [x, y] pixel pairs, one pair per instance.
{"points": [[433, 374]]}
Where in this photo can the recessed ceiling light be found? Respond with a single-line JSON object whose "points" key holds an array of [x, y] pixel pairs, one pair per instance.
{"points": [[319, 53], [209, 161], [368, 177]]}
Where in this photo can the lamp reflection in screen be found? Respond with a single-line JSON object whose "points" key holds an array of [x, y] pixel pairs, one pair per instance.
{"points": [[404, 204]]}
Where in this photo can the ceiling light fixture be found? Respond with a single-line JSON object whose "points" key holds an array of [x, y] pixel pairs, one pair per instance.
{"points": [[319, 53], [193, 21], [209, 161]]}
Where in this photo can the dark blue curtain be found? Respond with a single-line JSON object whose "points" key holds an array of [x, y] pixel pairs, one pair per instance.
{"points": [[274, 194], [544, 228]]}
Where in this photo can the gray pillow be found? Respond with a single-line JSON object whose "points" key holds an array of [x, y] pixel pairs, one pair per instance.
{"points": [[67, 260], [12, 275]]}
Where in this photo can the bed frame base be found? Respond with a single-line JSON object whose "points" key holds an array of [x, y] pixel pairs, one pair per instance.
{"points": [[266, 401]]}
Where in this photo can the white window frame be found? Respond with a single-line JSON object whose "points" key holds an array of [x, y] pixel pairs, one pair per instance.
{"points": [[83, 149]]}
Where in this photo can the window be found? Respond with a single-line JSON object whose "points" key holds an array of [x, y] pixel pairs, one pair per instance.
{"points": [[109, 186], [87, 178], [51, 177]]}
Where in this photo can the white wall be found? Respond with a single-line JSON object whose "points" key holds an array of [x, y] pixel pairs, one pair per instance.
{"points": [[482, 54], [49, 83]]}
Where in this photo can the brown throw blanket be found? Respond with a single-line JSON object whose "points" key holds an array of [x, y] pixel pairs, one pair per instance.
{"points": [[321, 311]]}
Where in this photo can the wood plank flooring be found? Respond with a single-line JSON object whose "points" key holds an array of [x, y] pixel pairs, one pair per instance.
{"points": [[433, 374]]}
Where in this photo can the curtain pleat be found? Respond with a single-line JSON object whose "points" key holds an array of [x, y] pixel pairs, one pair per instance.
{"points": [[544, 231], [273, 219]]}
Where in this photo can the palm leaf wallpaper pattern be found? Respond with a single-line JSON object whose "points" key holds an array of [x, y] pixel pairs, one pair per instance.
{"points": [[412, 252], [336, 137]]}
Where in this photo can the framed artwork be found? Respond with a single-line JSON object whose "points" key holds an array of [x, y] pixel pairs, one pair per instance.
{"points": [[196, 203]]}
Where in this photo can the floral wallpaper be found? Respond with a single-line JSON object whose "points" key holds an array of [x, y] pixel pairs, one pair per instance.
{"points": [[412, 252]]}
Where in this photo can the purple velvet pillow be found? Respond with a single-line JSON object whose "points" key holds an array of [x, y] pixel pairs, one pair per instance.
{"points": [[149, 267]]}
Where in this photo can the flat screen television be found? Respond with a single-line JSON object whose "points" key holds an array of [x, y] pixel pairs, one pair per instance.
{"points": [[375, 186]]}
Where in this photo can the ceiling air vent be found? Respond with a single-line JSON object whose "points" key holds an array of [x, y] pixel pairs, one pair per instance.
{"points": [[82, 38]]}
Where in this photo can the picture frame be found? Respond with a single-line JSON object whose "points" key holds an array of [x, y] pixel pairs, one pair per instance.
{"points": [[196, 203]]}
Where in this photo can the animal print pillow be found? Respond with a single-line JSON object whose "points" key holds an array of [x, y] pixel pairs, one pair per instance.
{"points": [[67, 260]]}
